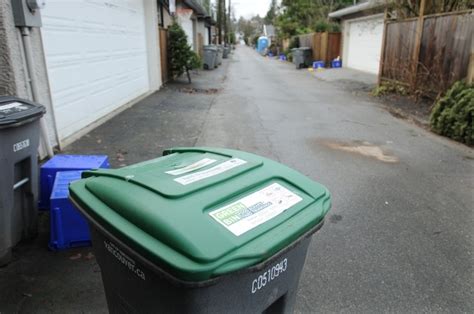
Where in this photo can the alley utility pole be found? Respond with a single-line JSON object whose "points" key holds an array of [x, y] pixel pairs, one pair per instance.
{"points": [[220, 19], [229, 25], [224, 16]]}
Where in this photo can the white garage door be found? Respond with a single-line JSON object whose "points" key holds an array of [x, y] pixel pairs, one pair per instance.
{"points": [[96, 58], [365, 44]]}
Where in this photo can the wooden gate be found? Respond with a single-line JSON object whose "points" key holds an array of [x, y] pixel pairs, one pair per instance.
{"points": [[164, 54]]}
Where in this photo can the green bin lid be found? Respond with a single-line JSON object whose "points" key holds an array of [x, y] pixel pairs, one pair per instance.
{"points": [[200, 213]]}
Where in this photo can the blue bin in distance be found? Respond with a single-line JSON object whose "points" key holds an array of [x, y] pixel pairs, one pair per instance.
{"points": [[65, 163], [318, 64], [68, 228], [336, 63]]}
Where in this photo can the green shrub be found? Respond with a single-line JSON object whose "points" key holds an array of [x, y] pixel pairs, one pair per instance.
{"points": [[453, 114], [321, 26], [334, 27], [255, 41], [389, 88], [294, 42], [183, 58]]}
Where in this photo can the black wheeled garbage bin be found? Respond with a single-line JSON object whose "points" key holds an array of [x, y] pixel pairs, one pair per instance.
{"points": [[210, 57], [226, 52], [220, 52], [201, 230], [302, 57], [19, 141]]}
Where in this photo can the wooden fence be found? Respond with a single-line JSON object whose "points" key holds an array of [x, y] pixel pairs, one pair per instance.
{"points": [[428, 53], [164, 54], [326, 46]]}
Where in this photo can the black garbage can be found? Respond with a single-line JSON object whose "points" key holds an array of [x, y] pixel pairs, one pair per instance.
{"points": [[201, 230], [19, 141], [302, 57], [210, 57]]}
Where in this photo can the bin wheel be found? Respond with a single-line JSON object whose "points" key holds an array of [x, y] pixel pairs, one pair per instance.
{"points": [[206, 67]]}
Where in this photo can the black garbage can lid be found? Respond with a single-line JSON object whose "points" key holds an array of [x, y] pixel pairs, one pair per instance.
{"points": [[15, 111]]}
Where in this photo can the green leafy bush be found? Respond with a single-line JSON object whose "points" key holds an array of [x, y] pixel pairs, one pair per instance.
{"points": [[295, 42], [453, 114], [389, 88], [183, 58], [321, 26]]}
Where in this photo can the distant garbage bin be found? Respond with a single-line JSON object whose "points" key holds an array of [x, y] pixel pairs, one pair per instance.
{"points": [[210, 57], [201, 230], [226, 52], [220, 52], [302, 57], [19, 141]]}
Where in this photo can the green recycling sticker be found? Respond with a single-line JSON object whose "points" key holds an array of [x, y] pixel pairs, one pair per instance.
{"points": [[255, 209]]}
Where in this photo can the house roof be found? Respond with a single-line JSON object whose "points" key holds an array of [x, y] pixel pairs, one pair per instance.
{"points": [[197, 7], [369, 4], [209, 20]]}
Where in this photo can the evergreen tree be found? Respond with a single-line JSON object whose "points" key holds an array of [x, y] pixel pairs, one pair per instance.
{"points": [[207, 6], [306, 16], [182, 57], [271, 13]]}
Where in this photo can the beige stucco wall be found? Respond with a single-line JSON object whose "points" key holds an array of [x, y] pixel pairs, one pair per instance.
{"points": [[13, 75]]}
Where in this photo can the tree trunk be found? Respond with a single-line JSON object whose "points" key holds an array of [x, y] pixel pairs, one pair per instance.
{"points": [[189, 76]]}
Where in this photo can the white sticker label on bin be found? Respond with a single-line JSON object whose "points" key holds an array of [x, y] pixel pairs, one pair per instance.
{"points": [[192, 167], [255, 209], [204, 174], [21, 145], [15, 105]]}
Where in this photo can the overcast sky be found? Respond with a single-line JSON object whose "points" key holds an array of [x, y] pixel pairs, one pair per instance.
{"points": [[248, 8]]}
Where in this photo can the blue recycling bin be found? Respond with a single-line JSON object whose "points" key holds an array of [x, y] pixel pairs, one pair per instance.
{"points": [[336, 63], [318, 64], [65, 163], [68, 227]]}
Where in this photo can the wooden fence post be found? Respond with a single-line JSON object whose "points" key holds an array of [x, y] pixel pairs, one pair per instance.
{"points": [[324, 46], [382, 53], [416, 51], [314, 42], [470, 69]]}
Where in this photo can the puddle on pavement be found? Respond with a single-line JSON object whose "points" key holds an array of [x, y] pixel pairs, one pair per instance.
{"points": [[362, 148]]}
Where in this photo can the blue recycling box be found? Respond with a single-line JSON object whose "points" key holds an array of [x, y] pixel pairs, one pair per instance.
{"points": [[336, 63], [68, 228], [65, 163], [318, 64]]}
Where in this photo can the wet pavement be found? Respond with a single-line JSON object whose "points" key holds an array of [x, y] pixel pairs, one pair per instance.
{"points": [[399, 236]]}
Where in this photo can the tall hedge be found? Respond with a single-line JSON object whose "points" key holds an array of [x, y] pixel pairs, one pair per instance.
{"points": [[453, 114]]}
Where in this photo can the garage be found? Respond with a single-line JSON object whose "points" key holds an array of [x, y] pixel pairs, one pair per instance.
{"points": [[362, 29], [96, 58], [364, 43]]}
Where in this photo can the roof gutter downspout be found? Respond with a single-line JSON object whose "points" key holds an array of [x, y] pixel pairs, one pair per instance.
{"points": [[25, 35]]}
